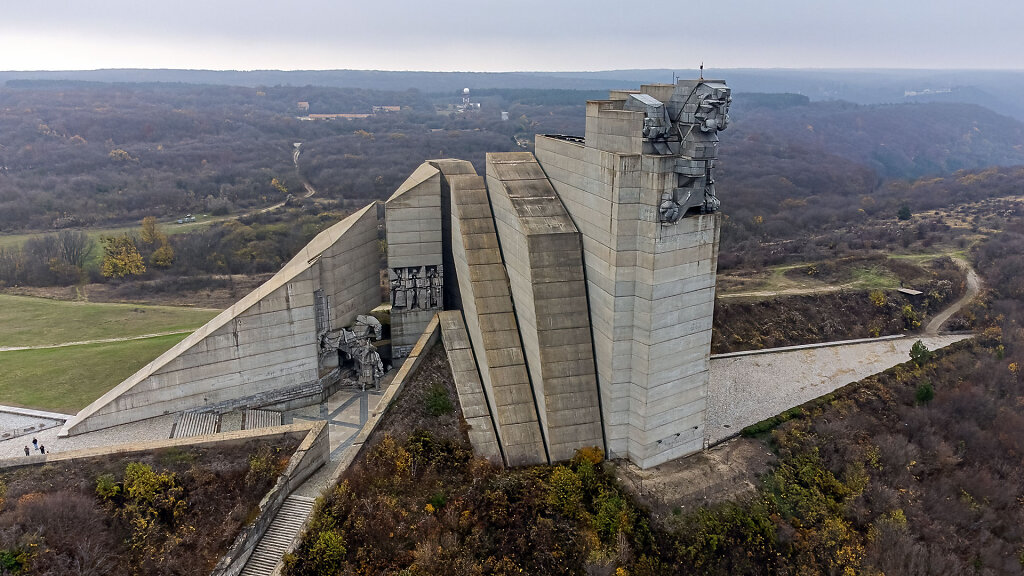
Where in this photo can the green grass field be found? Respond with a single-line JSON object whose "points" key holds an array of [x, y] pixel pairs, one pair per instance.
{"points": [[70, 378], [26, 321], [67, 379]]}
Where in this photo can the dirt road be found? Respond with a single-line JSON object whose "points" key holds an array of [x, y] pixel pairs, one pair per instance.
{"points": [[973, 288]]}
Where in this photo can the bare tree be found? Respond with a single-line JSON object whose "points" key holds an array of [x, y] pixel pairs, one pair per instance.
{"points": [[75, 247]]}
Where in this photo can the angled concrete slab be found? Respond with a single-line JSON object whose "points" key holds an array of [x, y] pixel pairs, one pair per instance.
{"points": [[264, 343]]}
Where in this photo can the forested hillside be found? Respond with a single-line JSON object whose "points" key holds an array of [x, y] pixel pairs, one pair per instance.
{"points": [[799, 180], [82, 154]]}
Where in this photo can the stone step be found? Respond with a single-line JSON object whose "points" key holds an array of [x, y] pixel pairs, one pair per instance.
{"points": [[255, 418], [281, 532], [196, 424]]}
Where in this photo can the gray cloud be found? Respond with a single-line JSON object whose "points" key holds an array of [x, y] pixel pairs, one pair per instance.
{"points": [[525, 35]]}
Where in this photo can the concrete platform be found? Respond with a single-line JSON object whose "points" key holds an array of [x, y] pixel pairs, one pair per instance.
{"points": [[746, 388]]}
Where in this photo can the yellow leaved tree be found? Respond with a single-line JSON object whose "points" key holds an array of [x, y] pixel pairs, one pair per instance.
{"points": [[121, 257]]}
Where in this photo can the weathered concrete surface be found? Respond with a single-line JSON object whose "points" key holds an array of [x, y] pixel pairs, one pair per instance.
{"points": [[651, 286], [543, 256], [413, 221], [744, 390], [112, 446], [266, 341], [728, 471], [450, 167], [491, 323], [468, 385]]}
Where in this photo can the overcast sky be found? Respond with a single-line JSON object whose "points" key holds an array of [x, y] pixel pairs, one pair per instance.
{"points": [[504, 36]]}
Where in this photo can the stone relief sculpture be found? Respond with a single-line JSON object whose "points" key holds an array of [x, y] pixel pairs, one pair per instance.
{"points": [[355, 350], [687, 127], [416, 288]]}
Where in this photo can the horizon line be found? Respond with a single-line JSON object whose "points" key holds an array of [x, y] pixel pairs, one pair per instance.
{"points": [[578, 71]]}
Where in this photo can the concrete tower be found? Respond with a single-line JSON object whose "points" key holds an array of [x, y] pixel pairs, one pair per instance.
{"points": [[640, 189]]}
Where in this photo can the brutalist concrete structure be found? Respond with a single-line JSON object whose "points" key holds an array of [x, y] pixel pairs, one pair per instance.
{"points": [[264, 349], [640, 188], [469, 386], [492, 325], [542, 251], [415, 262], [585, 276]]}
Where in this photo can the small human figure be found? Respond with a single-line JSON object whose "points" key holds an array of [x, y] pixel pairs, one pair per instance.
{"points": [[27, 451], [35, 444], [42, 449]]}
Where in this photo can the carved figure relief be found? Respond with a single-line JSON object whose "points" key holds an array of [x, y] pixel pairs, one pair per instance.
{"points": [[416, 287], [686, 127]]}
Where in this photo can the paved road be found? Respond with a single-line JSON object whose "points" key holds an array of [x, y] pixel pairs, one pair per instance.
{"points": [[973, 288]]}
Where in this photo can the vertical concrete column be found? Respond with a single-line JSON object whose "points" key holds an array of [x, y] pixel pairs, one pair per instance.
{"points": [[544, 258], [650, 280], [415, 261], [449, 167], [491, 323]]}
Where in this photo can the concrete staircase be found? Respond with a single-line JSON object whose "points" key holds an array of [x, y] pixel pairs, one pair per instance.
{"points": [[261, 419], [266, 558], [195, 424]]}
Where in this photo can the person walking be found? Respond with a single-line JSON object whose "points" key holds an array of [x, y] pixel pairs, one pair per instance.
{"points": [[26, 451], [42, 449], [35, 444]]}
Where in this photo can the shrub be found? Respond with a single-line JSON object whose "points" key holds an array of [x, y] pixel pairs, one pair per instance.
{"points": [[438, 501], [910, 318], [15, 561], [263, 466], [328, 553], [438, 402], [904, 213], [107, 486], [141, 483], [877, 298], [593, 454], [925, 393], [920, 353], [565, 492]]}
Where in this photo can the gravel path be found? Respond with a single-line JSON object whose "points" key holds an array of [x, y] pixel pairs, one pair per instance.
{"points": [[153, 429]]}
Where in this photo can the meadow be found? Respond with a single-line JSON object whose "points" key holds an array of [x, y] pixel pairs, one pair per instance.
{"points": [[67, 378], [26, 321]]}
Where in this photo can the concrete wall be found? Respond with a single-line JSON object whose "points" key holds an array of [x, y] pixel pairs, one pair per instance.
{"points": [[413, 216], [748, 387], [650, 287], [266, 341], [470, 388], [314, 452], [543, 256], [450, 167], [491, 323]]}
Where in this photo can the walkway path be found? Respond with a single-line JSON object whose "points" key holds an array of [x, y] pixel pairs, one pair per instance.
{"points": [[973, 288], [99, 341], [826, 289], [278, 538]]}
